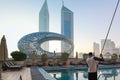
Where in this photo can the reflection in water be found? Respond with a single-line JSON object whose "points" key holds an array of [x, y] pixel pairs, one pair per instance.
{"points": [[76, 75], [54, 75], [105, 74], [109, 73], [64, 76], [85, 75]]}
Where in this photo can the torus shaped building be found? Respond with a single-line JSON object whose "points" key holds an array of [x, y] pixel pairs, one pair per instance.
{"points": [[34, 41]]}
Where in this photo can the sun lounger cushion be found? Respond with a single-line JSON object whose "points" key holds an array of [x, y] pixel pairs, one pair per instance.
{"points": [[11, 65]]}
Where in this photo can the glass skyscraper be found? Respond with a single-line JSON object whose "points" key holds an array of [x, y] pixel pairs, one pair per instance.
{"points": [[44, 22], [67, 27]]}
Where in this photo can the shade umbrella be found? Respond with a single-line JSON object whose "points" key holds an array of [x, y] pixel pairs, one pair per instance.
{"points": [[3, 53], [3, 49], [33, 57], [54, 57], [0, 63], [76, 55]]}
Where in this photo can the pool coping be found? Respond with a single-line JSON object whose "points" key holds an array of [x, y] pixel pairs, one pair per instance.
{"points": [[83, 67], [35, 74], [45, 74]]}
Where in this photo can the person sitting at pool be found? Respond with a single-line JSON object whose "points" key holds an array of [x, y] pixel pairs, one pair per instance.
{"points": [[92, 63]]}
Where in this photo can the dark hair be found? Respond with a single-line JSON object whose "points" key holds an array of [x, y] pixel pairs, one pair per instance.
{"points": [[90, 53]]}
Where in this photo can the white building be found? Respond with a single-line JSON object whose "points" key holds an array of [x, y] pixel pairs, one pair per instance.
{"points": [[44, 22], [96, 48], [109, 47]]}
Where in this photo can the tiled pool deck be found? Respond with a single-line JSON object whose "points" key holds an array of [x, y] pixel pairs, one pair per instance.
{"points": [[15, 74], [35, 74]]}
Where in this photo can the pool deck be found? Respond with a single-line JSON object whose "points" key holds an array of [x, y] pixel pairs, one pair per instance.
{"points": [[26, 73], [15, 74], [35, 74]]}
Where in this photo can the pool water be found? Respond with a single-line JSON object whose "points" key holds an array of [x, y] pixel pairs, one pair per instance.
{"points": [[109, 74]]}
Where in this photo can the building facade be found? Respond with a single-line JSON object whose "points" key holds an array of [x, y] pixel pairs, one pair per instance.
{"points": [[67, 27], [109, 47], [96, 48], [44, 22]]}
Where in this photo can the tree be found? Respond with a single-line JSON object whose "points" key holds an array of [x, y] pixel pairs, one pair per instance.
{"points": [[64, 56], [85, 56], [18, 56], [44, 58]]}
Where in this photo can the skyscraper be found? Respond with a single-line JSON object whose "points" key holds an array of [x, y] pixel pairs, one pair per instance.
{"points": [[96, 48], [44, 22], [67, 27], [109, 47]]}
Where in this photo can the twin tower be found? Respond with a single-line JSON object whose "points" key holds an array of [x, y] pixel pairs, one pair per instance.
{"points": [[66, 25]]}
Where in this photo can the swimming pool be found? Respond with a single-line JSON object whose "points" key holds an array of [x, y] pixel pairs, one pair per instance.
{"points": [[109, 74]]}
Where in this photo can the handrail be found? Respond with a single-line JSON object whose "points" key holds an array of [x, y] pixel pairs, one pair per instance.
{"points": [[99, 76]]}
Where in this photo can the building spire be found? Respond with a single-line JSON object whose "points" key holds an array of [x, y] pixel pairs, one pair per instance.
{"points": [[62, 3], [45, 2]]}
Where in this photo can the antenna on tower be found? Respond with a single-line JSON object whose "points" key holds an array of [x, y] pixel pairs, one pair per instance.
{"points": [[45, 0], [62, 2]]}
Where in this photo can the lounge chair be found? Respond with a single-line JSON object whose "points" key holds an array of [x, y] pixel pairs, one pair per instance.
{"points": [[11, 65], [29, 63], [39, 63], [51, 63], [74, 63], [60, 63], [82, 62]]}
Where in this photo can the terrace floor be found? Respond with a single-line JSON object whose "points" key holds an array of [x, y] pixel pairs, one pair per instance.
{"points": [[36, 75], [25, 74]]}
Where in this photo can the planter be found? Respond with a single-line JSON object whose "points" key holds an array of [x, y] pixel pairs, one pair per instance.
{"points": [[65, 63], [44, 64], [20, 62]]}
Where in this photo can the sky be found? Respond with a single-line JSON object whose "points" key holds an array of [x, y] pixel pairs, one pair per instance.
{"points": [[91, 21]]}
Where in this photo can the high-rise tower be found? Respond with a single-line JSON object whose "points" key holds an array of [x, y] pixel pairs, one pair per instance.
{"points": [[96, 49], [44, 22], [67, 27]]}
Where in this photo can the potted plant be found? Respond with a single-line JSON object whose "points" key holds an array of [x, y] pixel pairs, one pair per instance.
{"points": [[83, 61], [18, 57], [64, 57], [85, 56], [114, 58], [44, 58]]}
